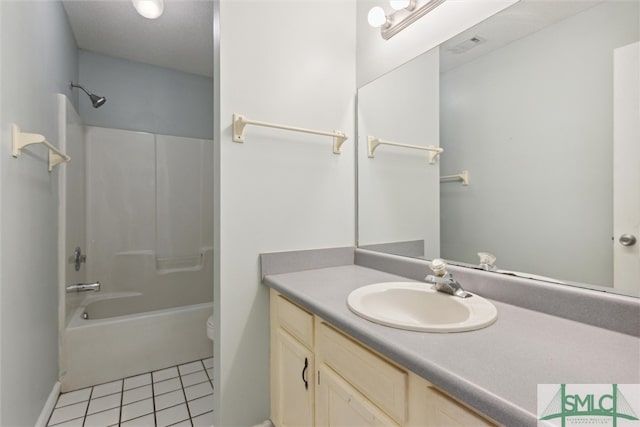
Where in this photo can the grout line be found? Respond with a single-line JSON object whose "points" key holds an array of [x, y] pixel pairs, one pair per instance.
{"points": [[86, 411], [186, 402], [121, 400], [153, 399]]}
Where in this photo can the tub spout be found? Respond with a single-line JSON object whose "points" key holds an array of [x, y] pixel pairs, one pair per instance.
{"points": [[83, 287]]}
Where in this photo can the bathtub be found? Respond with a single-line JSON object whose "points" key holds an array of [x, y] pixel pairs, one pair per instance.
{"points": [[118, 340]]}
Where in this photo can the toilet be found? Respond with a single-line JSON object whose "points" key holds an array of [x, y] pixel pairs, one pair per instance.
{"points": [[210, 327]]}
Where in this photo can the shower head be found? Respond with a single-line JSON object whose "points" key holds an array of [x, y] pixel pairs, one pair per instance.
{"points": [[97, 101]]}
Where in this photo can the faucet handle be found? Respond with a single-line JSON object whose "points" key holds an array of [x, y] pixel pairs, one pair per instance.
{"points": [[438, 266]]}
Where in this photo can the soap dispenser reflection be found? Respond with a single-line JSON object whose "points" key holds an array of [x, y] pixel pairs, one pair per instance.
{"points": [[487, 261]]}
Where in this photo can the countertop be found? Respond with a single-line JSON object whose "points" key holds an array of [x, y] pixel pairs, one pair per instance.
{"points": [[496, 369]]}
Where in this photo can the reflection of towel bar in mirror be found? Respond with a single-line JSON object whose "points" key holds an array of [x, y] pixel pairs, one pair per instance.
{"points": [[464, 177], [239, 123], [373, 143], [23, 139]]}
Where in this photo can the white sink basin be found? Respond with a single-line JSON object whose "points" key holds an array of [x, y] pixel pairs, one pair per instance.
{"points": [[417, 306]]}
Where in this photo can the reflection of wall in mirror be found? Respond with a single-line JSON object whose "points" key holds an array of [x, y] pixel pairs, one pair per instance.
{"points": [[533, 123], [399, 190]]}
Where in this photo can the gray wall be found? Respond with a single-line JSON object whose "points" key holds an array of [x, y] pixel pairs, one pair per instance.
{"points": [[39, 57], [145, 98], [532, 122]]}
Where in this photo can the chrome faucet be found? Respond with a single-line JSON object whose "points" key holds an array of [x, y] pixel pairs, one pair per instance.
{"points": [[444, 281], [83, 287]]}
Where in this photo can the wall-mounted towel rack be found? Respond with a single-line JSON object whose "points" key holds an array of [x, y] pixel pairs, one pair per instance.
{"points": [[22, 139], [239, 123], [464, 177], [374, 143]]}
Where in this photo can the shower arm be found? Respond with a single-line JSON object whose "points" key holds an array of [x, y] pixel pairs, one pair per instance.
{"points": [[78, 86]]}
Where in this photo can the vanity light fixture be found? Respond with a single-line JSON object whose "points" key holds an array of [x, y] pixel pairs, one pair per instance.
{"points": [[150, 9], [405, 13]]}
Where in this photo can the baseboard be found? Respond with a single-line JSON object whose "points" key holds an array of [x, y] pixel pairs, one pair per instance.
{"points": [[48, 406]]}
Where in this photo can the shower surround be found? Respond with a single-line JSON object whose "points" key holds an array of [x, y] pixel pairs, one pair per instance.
{"points": [[141, 207]]}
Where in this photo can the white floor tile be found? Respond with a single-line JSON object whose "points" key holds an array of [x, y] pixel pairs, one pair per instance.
{"points": [[140, 398], [169, 399], [165, 374], [166, 386], [103, 403], [137, 409], [204, 420], [146, 421], [188, 368], [200, 406], [172, 415], [103, 419], [194, 378], [208, 363], [137, 381], [106, 389], [198, 390], [69, 412], [73, 397], [136, 394], [73, 423]]}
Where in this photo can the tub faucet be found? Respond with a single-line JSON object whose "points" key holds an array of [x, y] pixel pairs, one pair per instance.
{"points": [[83, 287], [444, 281]]}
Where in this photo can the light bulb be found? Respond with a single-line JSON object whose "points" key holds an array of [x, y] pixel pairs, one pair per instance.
{"points": [[377, 17], [150, 9], [400, 4]]}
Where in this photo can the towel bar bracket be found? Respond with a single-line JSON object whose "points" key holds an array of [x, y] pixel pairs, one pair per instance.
{"points": [[24, 139]]}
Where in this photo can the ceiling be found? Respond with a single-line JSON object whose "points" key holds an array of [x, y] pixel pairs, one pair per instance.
{"points": [[180, 39]]}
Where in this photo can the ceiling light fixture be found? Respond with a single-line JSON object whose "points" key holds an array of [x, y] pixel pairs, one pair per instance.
{"points": [[405, 13], [150, 9]]}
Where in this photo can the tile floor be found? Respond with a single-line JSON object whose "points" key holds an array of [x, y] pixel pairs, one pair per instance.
{"points": [[177, 396]]}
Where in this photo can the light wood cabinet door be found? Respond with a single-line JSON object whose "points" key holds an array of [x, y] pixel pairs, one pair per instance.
{"points": [[292, 386], [338, 404], [444, 411]]}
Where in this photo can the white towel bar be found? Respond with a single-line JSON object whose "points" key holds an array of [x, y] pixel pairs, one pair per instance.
{"points": [[239, 123], [23, 139], [374, 142], [464, 177]]}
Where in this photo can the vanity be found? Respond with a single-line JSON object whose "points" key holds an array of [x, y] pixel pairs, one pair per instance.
{"points": [[330, 366]]}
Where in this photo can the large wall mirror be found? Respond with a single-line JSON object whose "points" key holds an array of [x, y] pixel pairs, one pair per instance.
{"points": [[536, 110]]}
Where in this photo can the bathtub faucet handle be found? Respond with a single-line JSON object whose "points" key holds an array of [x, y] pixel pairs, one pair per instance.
{"points": [[83, 287]]}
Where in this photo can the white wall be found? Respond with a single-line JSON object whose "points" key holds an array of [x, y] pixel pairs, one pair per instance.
{"points": [[377, 56], [391, 207], [533, 124], [39, 57], [145, 98], [289, 62]]}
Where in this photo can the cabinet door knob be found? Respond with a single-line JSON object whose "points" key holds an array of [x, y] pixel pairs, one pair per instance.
{"points": [[304, 370]]}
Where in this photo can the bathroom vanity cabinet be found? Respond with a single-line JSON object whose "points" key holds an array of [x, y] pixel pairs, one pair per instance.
{"points": [[320, 376]]}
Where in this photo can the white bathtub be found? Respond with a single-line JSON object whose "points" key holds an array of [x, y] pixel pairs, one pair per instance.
{"points": [[117, 341]]}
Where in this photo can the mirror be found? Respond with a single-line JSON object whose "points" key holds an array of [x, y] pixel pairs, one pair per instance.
{"points": [[524, 103]]}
